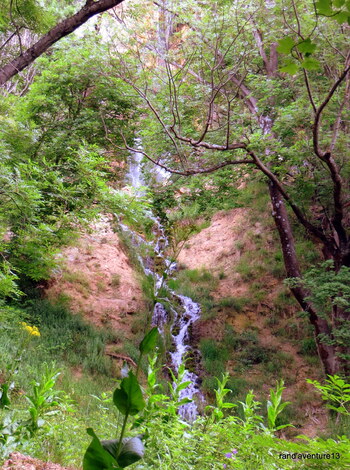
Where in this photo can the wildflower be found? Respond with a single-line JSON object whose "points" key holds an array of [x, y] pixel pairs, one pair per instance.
{"points": [[32, 330], [230, 455]]}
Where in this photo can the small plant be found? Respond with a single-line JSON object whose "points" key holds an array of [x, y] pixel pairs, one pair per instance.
{"points": [[128, 398], [30, 333], [44, 399], [275, 407], [336, 392], [251, 419], [220, 393], [115, 280]]}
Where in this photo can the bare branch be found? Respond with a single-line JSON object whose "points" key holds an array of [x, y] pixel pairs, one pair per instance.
{"points": [[339, 115], [309, 92], [189, 171], [302, 219], [321, 108]]}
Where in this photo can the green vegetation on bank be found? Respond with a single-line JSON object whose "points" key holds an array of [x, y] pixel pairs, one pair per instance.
{"points": [[41, 418]]}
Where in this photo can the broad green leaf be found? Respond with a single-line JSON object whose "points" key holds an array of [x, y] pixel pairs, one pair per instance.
{"points": [[338, 3], [285, 45], [128, 398], [310, 64], [4, 398], [96, 457], [341, 17], [149, 341], [307, 47], [324, 7], [132, 451], [290, 68]]}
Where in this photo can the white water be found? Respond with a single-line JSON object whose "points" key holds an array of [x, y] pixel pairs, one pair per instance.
{"points": [[184, 315]]}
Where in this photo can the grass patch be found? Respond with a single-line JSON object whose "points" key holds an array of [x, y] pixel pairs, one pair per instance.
{"points": [[198, 285], [234, 303], [115, 280], [68, 336], [77, 277]]}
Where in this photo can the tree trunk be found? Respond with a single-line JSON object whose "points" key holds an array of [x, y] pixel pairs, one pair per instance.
{"points": [[61, 30], [327, 353]]}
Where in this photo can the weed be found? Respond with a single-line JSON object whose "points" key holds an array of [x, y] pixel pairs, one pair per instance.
{"points": [[234, 303], [68, 336], [237, 385], [308, 347], [115, 280], [77, 277]]}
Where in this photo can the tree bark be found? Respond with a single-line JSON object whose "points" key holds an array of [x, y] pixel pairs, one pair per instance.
{"points": [[327, 353], [61, 30]]}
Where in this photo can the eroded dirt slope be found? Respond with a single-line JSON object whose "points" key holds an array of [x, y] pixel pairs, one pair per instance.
{"points": [[98, 278], [219, 249], [18, 461]]}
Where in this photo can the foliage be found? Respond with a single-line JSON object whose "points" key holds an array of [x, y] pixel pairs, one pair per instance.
{"points": [[275, 407], [329, 290], [43, 399], [336, 392], [120, 453], [55, 160]]}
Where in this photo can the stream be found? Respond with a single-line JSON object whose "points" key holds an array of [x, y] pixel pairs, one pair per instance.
{"points": [[184, 311]]}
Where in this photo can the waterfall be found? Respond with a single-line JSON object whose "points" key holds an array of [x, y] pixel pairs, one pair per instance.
{"points": [[186, 312]]}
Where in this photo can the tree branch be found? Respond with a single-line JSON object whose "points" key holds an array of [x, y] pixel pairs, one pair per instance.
{"points": [[189, 171], [59, 31], [321, 108]]}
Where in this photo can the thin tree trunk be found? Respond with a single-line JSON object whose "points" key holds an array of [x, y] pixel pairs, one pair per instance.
{"points": [[327, 353]]}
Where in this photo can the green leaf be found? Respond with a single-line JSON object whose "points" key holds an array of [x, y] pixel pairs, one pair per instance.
{"points": [[4, 398], [310, 64], [290, 68], [341, 17], [184, 401], [338, 3], [183, 385], [306, 46], [228, 405], [128, 398], [324, 7], [131, 452], [149, 341], [96, 457], [285, 45]]}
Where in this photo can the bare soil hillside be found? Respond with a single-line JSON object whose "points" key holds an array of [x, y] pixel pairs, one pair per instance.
{"points": [[19, 461], [220, 249], [98, 279]]}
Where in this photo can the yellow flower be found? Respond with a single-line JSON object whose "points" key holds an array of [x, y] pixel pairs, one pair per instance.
{"points": [[32, 330]]}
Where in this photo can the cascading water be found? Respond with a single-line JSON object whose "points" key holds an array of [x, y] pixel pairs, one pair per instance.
{"points": [[186, 312]]}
